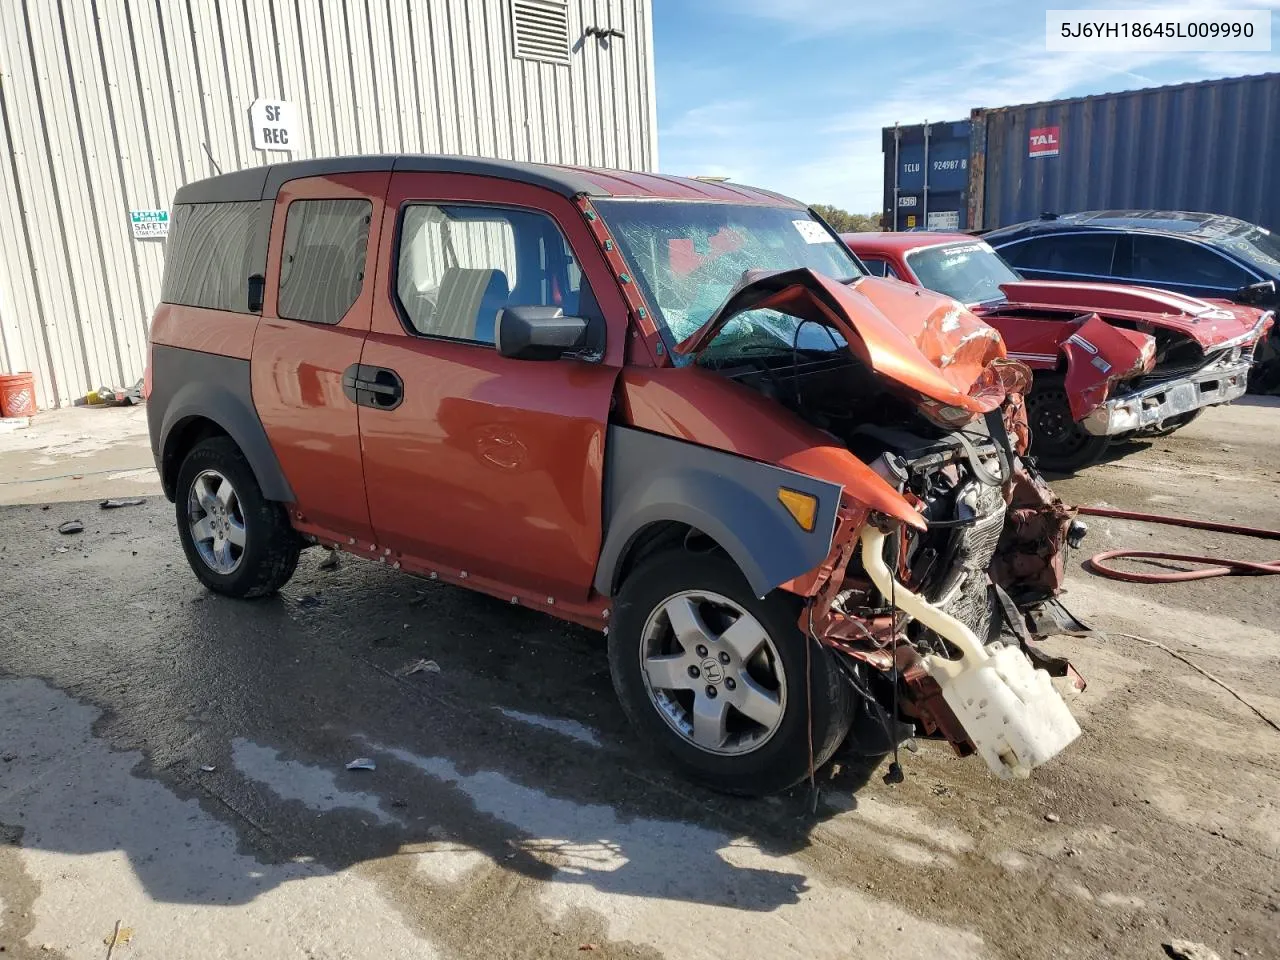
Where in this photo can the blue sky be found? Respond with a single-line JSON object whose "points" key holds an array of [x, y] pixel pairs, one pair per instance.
{"points": [[792, 94]]}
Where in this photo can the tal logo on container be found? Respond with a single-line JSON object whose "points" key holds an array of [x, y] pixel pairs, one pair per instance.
{"points": [[1044, 142]]}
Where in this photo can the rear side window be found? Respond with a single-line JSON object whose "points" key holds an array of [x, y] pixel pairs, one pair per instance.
{"points": [[212, 250], [1088, 254], [459, 265], [1163, 260], [322, 264]]}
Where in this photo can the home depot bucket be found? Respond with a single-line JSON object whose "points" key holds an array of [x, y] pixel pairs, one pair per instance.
{"points": [[17, 395]]}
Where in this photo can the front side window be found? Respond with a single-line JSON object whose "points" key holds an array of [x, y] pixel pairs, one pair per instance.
{"points": [[687, 256], [1085, 254], [1162, 260], [322, 264], [458, 266], [968, 272], [879, 268]]}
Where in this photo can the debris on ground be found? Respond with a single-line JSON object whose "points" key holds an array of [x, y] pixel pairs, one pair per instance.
{"points": [[113, 396], [60, 550], [118, 938], [8, 424], [362, 763], [310, 601], [116, 502], [420, 666], [587, 946], [71, 526], [1186, 950], [331, 561], [208, 768], [1052, 817]]}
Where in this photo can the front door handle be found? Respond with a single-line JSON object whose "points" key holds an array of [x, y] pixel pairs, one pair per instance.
{"points": [[375, 387]]}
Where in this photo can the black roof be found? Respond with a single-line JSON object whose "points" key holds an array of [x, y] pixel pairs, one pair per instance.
{"points": [[263, 183], [1205, 226]]}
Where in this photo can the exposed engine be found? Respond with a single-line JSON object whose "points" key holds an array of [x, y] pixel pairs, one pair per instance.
{"points": [[993, 549], [962, 481]]}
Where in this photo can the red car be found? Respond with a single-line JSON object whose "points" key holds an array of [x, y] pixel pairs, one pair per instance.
{"points": [[674, 411], [1112, 362]]}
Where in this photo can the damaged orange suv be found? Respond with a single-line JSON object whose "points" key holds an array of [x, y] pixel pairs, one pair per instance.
{"points": [[678, 412]]}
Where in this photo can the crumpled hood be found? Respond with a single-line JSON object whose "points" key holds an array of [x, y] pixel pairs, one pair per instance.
{"points": [[1209, 323], [921, 340]]}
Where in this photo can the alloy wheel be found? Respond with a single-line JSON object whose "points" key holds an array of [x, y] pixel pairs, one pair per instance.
{"points": [[216, 522], [713, 673]]}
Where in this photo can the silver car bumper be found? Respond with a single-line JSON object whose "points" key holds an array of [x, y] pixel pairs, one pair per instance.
{"points": [[1218, 382]]}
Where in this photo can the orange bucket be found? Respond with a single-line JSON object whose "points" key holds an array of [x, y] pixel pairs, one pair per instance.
{"points": [[17, 395]]}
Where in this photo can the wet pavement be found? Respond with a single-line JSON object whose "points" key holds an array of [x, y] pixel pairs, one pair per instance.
{"points": [[174, 762]]}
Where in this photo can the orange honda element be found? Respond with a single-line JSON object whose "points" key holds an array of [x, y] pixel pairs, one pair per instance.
{"points": [[678, 412]]}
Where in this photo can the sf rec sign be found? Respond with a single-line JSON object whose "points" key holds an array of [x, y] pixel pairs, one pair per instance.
{"points": [[274, 124]]}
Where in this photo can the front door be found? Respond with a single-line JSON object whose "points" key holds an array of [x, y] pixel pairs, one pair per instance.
{"points": [[485, 464], [316, 311]]}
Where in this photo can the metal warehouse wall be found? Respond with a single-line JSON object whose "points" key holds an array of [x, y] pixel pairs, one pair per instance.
{"points": [[1211, 146], [111, 105]]}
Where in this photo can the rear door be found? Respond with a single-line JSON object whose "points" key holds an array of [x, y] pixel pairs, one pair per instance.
{"points": [[316, 312], [485, 464]]}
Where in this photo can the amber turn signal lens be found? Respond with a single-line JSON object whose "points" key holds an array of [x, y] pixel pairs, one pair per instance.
{"points": [[803, 507]]}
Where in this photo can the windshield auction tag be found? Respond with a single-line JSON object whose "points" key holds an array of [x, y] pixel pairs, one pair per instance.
{"points": [[812, 231]]}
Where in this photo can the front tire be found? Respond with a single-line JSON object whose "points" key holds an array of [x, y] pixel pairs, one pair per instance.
{"points": [[714, 678], [1058, 442], [237, 542]]}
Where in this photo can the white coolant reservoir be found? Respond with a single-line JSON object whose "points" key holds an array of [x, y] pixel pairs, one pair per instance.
{"points": [[1010, 710]]}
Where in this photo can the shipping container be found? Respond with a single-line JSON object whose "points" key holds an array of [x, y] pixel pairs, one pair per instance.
{"points": [[1212, 146], [926, 176]]}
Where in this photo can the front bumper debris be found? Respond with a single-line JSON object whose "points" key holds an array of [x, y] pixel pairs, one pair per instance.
{"points": [[1218, 382], [1008, 710]]}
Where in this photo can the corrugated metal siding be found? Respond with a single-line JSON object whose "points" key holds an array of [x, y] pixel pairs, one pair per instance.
{"points": [[111, 105], [1212, 146]]}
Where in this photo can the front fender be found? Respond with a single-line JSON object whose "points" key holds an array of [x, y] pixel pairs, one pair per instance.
{"points": [[1098, 356], [652, 479]]}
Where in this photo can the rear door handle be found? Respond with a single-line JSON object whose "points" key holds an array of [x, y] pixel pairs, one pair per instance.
{"points": [[374, 387]]}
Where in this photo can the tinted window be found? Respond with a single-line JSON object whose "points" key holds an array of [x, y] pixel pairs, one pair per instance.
{"points": [[460, 265], [1163, 260], [212, 250], [1082, 253], [322, 264]]}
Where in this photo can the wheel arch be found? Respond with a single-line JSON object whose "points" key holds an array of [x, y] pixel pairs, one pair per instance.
{"points": [[205, 407], [658, 489]]}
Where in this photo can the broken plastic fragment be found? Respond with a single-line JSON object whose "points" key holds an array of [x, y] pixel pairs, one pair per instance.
{"points": [[421, 666], [207, 768], [362, 763]]}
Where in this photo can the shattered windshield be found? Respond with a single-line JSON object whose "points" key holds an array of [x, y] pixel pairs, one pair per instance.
{"points": [[968, 272], [688, 255]]}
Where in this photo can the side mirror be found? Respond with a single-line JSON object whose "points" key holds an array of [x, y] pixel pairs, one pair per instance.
{"points": [[257, 291], [1257, 294], [542, 333]]}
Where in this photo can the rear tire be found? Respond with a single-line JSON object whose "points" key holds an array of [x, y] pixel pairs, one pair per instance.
{"points": [[1058, 442], [237, 542], [751, 736]]}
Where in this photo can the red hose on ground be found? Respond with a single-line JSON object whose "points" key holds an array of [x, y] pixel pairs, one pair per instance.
{"points": [[1212, 566]]}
